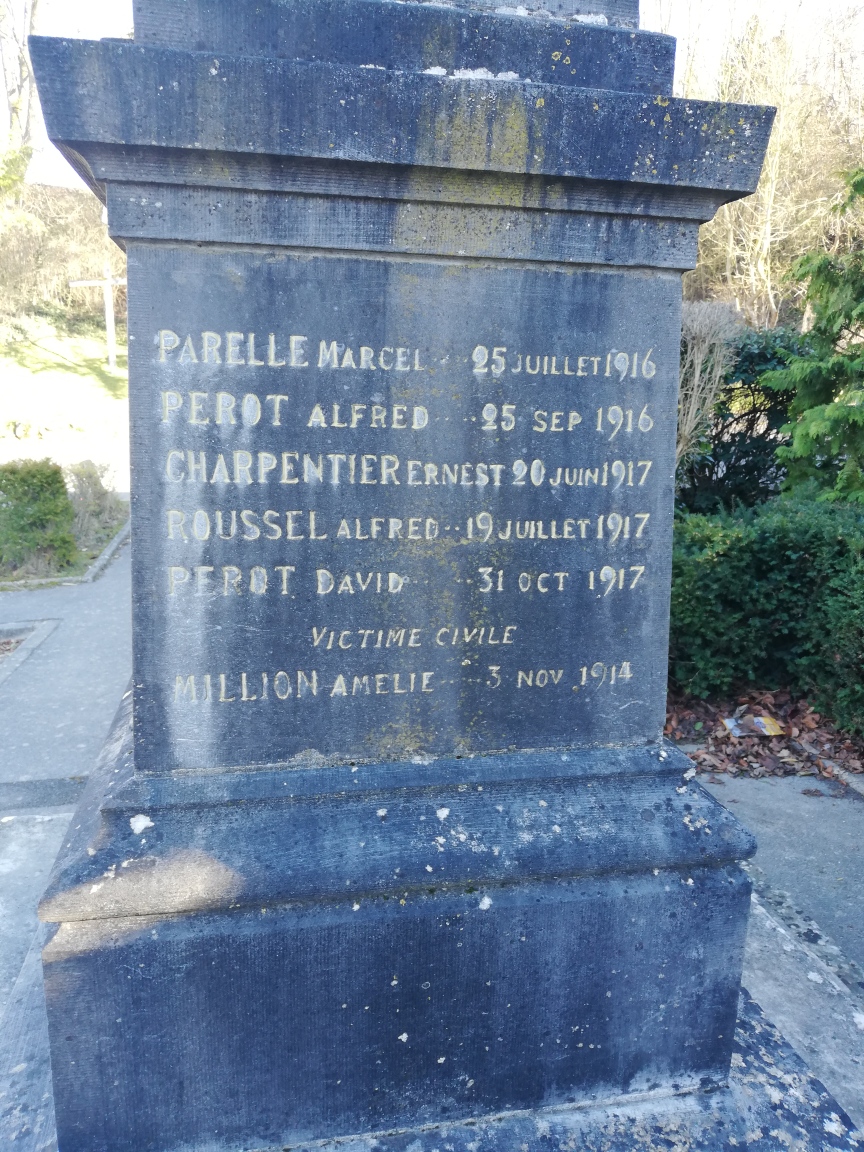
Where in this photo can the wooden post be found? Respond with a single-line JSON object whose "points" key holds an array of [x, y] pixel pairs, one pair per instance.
{"points": [[110, 326], [107, 286]]}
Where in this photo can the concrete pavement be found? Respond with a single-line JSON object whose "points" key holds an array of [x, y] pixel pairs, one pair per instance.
{"points": [[55, 710], [804, 963], [809, 846]]}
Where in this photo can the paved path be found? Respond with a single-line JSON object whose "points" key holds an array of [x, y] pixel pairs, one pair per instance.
{"points": [[805, 945], [811, 847], [55, 711]]}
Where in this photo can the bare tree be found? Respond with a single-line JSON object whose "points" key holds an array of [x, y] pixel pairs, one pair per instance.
{"points": [[707, 342], [49, 236], [748, 250], [16, 23]]}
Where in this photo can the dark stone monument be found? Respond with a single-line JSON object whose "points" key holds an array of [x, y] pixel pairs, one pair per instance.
{"points": [[396, 842]]}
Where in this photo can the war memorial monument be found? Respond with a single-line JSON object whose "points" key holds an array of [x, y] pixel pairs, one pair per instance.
{"points": [[390, 853]]}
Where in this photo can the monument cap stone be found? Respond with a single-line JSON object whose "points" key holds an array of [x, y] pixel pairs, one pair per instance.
{"points": [[393, 838], [419, 37], [623, 13]]}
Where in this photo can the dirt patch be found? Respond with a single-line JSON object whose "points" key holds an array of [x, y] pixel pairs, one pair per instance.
{"points": [[8, 645]]}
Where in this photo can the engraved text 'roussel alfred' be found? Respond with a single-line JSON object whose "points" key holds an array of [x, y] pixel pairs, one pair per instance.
{"points": [[275, 466]]}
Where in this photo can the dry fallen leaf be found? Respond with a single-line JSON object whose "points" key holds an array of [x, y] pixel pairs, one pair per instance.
{"points": [[772, 734]]}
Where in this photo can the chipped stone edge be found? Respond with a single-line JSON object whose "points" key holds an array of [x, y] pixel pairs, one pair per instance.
{"points": [[660, 1097], [36, 631], [536, 10]]}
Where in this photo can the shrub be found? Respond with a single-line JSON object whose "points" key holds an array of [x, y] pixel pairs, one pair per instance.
{"points": [[99, 511], [36, 518], [736, 465], [709, 333], [772, 597]]}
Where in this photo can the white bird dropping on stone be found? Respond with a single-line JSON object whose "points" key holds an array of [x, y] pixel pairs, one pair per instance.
{"points": [[140, 823]]}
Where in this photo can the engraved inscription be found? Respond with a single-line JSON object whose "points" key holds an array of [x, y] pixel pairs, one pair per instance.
{"points": [[407, 522]]}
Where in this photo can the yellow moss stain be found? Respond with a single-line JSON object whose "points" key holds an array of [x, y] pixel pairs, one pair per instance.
{"points": [[465, 134], [510, 143], [399, 741], [439, 49], [502, 189], [478, 128]]}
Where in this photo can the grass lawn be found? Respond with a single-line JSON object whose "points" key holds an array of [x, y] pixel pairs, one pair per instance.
{"points": [[58, 399]]}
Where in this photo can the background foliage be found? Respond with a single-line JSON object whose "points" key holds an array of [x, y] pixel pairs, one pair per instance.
{"points": [[736, 463], [99, 511], [774, 597], [748, 251], [49, 236], [53, 520], [827, 382], [36, 518]]}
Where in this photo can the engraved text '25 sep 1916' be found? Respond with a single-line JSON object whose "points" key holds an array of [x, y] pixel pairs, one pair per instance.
{"points": [[405, 521]]}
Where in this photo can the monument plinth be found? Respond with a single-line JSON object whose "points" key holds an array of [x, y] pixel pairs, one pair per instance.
{"points": [[396, 842]]}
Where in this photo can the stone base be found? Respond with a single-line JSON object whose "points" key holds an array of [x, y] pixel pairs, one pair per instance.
{"points": [[253, 959], [285, 1025], [273, 960], [772, 1102]]}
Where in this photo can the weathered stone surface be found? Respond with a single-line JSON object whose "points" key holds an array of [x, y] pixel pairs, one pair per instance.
{"points": [[772, 1100], [122, 94], [400, 831], [192, 21], [420, 37], [375, 1008], [327, 833], [420, 583], [368, 344], [253, 965]]}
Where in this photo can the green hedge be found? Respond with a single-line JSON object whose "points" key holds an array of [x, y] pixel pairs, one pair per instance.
{"points": [[36, 517], [773, 597]]}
